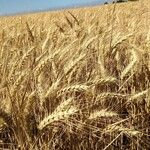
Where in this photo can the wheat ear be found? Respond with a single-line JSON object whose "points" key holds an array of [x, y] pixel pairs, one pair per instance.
{"points": [[130, 65], [129, 131], [102, 113], [73, 88], [25, 57], [139, 95], [62, 112]]}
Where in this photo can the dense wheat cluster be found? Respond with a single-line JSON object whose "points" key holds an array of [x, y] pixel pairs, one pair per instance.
{"points": [[76, 79]]}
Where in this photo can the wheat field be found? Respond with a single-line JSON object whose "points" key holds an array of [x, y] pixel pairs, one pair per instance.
{"points": [[77, 79]]}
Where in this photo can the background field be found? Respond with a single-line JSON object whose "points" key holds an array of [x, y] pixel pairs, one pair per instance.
{"points": [[76, 79]]}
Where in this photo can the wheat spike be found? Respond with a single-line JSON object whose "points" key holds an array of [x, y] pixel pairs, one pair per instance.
{"points": [[102, 69], [102, 113], [111, 95], [105, 80], [88, 42], [25, 57], [71, 65], [129, 131], [122, 39], [130, 65], [75, 18], [41, 65], [46, 42], [53, 88], [18, 82], [62, 112], [139, 95], [30, 32], [73, 88]]}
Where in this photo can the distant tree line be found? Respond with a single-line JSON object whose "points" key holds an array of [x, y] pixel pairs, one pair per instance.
{"points": [[120, 1]]}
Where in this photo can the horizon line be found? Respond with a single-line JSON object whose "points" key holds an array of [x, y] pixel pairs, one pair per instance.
{"points": [[53, 9]]}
